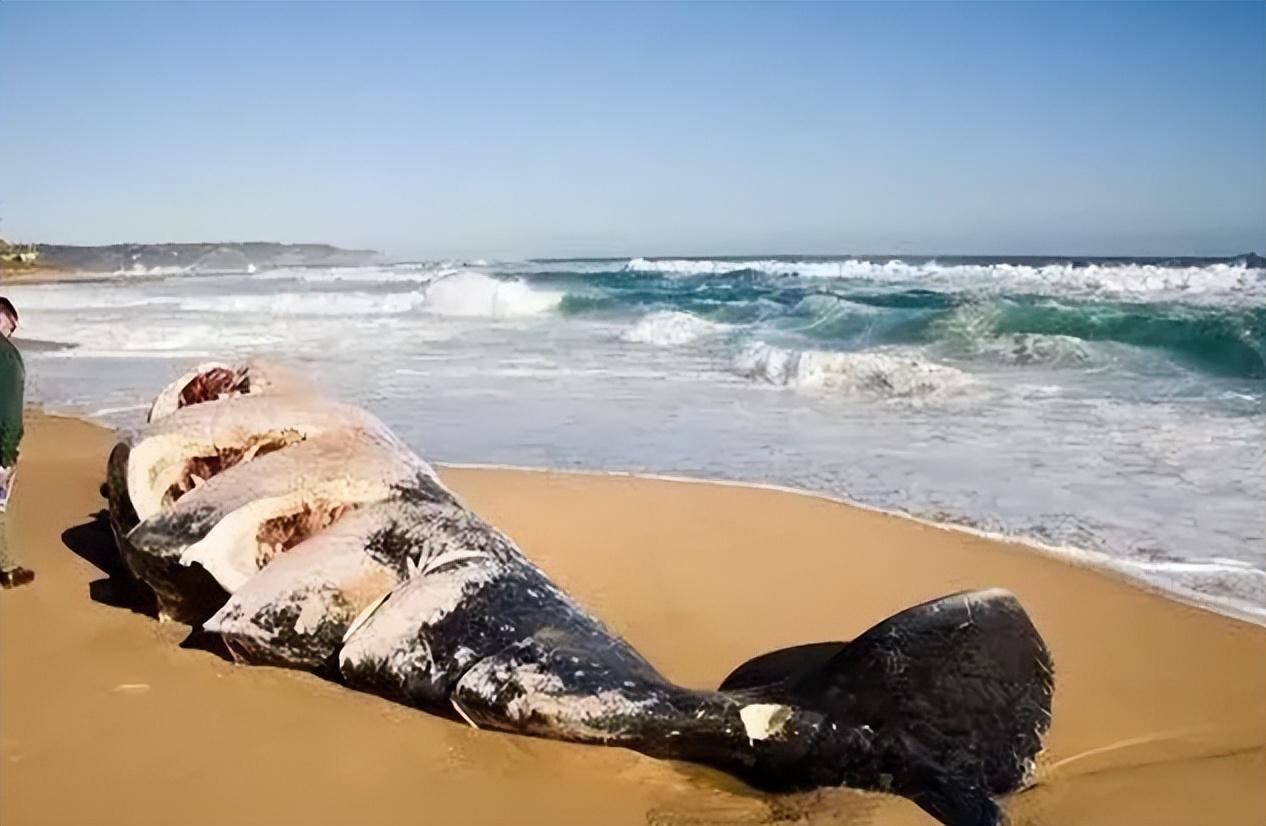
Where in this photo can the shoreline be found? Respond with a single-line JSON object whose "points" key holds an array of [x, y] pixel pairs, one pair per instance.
{"points": [[1095, 561], [40, 275], [1183, 519], [1098, 562], [52, 276]]}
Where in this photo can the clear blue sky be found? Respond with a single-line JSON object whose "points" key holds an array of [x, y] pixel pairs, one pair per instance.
{"points": [[568, 129]]}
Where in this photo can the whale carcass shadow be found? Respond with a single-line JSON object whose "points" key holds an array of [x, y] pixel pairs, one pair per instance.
{"points": [[93, 541]]}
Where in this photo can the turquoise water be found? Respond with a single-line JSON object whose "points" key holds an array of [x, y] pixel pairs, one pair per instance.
{"points": [[1224, 341], [1113, 406]]}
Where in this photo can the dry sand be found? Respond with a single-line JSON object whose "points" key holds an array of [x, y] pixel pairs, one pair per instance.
{"points": [[1160, 708]]}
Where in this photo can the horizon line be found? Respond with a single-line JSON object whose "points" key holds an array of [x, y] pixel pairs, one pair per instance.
{"points": [[783, 255]]}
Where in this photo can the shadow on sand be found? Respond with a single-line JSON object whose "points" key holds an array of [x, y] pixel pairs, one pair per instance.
{"points": [[93, 541]]}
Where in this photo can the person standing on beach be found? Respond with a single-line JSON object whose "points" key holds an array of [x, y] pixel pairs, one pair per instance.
{"points": [[12, 382]]}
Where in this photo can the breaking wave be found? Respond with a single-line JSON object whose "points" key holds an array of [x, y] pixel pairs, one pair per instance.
{"points": [[888, 374], [1028, 348], [1222, 341], [471, 294], [1235, 278], [669, 328], [396, 273], [1129, 394]]}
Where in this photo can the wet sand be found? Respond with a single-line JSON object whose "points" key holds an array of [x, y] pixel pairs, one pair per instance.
{"points": [[1159, 718]]}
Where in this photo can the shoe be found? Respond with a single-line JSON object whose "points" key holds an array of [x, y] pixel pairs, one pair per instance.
{"points": [[16, 577]]}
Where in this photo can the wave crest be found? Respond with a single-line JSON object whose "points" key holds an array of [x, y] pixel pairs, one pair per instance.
{"points": [[885, 374], [1033, 348], [474, 295], [1235, 279], [669, 328]]}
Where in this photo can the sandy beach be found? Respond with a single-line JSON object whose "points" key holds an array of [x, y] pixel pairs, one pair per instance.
{"points": [[45, 275], [105, 718]]}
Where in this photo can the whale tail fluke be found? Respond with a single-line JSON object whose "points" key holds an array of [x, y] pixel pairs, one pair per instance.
{"points": [[945, 703]]}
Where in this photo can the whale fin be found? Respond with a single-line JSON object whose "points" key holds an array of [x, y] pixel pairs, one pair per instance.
{"points": [[781, 666], [951, 698]]}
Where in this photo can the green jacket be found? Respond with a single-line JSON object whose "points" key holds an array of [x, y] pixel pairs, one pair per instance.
{"points": [[12, 380]]}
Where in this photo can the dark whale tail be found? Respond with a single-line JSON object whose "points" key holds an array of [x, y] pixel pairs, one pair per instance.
{"points": [[945, 703]]}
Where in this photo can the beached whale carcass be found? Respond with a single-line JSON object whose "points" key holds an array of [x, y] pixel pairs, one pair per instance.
{"points": [[342, 552], [217, 380], [178, 489]]}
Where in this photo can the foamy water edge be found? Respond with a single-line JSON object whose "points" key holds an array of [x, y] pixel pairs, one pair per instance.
{"points": [[1096, 561]]}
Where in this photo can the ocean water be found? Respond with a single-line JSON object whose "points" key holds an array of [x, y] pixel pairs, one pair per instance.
{"points": [[1112, 408]]}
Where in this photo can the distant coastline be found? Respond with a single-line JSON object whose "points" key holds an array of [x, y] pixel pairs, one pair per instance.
{"points": [[52, 260]]}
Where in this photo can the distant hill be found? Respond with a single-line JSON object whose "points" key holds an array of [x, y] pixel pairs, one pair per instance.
{"points": [[234, 257]]}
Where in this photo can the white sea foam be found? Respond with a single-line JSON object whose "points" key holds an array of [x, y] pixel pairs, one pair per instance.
{"points": [[306, 304], [472, 294], [59, 297], [670, 328], [890, 374], [162, 339], [1147, 458], [1034, 348], [1227, 584], [1221, 279], [139, 269], [396, 273]]}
